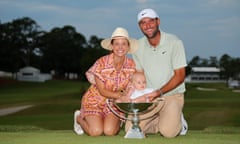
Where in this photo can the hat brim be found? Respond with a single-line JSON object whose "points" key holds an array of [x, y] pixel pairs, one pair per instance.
{"points": [[106, 44]]}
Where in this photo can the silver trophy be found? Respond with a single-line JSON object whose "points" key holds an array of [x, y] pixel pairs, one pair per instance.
{"points": [[134, 109]]}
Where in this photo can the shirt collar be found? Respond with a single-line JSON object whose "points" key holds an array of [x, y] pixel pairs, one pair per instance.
{"points": [[162, 40]]}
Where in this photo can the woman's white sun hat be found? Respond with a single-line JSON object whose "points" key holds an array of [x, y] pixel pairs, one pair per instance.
{"points": [[120, 32]]}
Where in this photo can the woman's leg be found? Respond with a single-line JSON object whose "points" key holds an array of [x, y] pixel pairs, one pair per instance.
{"points": [[92, 124], [111, 124]]}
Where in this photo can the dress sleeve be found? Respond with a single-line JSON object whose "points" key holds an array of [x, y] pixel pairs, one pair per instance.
{"points": [[95, 71]]}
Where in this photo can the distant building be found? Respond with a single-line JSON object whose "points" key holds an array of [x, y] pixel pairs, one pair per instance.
{"points": [[204, 74], [233, 83], [32, 74]]}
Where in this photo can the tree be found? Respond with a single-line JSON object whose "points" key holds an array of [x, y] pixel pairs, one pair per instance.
{"points": [[231, 66], [17, 43], [63, 48], [213, 62], [235, 68], [91, 54], [195, 61], [225, 64], [94, 42]]}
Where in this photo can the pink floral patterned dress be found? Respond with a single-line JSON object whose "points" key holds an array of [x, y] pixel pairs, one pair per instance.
{"points": [[93, 103]]}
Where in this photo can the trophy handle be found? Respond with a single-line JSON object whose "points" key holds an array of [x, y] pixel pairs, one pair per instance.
{"points": [[110, 107]]}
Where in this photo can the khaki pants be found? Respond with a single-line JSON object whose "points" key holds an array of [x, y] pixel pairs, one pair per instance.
{"points": [[164, 118]]}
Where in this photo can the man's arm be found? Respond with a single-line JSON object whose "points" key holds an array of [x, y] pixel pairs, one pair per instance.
{"points": [[177, 79]]}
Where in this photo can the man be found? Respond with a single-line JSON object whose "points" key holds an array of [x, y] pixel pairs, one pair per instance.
{"points": [[162, 58]]}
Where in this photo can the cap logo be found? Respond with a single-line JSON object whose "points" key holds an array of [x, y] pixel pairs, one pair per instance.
{"points": [[143, 14]]}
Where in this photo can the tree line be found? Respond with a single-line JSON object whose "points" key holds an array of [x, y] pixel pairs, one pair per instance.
{"points": [[64, 50]]}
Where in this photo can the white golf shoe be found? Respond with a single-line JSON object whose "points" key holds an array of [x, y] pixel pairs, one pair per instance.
{"points": [[76, 127], [184, 126]]}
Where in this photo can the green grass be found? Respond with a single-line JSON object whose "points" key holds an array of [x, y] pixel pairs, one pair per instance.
{"points": [[68, 137], [31, 92], [211, 108], [213, 116], [54, 103]]}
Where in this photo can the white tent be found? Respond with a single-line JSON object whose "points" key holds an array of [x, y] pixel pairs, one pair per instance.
{"points": [[32, 74]]}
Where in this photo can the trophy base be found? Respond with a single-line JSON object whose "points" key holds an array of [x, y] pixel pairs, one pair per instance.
{"points": [[134, 133]]}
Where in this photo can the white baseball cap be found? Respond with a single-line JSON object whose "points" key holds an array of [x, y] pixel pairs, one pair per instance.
{"points": [[150, 13]]}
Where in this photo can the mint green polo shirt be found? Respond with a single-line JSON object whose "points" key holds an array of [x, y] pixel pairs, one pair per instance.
{"points": [[159, 63]]}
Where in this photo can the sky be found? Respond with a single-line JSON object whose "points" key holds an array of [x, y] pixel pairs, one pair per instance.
{"points": [[206, 27]]}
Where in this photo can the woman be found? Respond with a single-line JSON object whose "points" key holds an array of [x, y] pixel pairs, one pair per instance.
{"points": [[108, 77]]}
